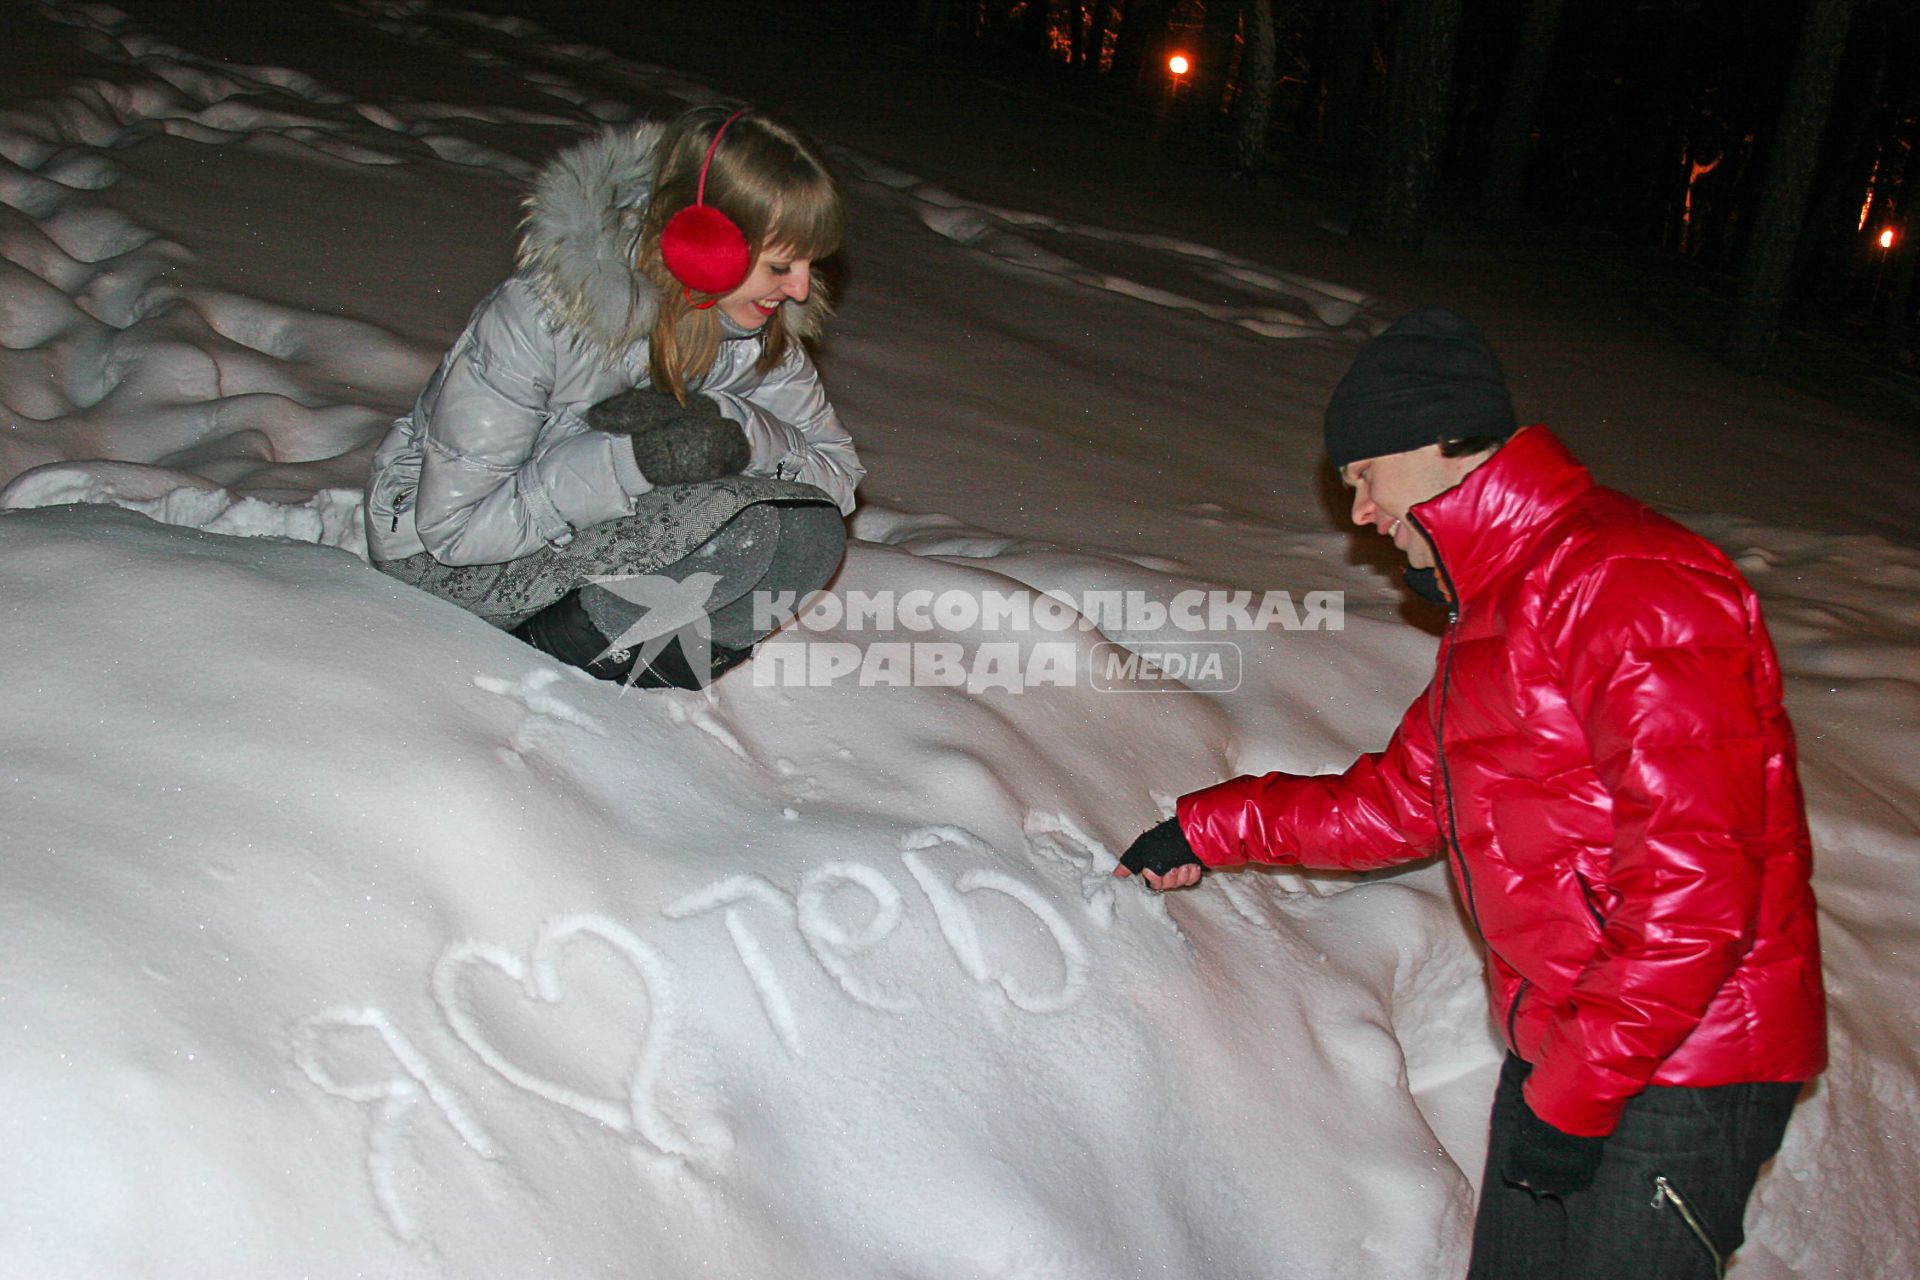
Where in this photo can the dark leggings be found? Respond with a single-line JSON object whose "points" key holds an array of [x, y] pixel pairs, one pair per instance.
{"points": [[750, 536], [765, 552], [1666, 1204]]}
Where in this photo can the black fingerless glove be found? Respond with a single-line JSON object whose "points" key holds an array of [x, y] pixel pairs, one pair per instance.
{"points": [[674, 443], [1549, 1161], [1160, 850]]}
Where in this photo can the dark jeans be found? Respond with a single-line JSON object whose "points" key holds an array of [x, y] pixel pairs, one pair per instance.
{"points": [[1678, 1153]]}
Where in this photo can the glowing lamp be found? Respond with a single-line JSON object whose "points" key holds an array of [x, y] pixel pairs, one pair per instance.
{"points": [[1886, 238], [1178, 64]]}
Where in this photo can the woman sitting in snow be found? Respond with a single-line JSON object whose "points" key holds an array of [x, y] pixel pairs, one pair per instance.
{"points": [[628, 443]]}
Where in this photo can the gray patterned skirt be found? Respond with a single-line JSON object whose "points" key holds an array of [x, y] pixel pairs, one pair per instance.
{"points": [[667, 525]]}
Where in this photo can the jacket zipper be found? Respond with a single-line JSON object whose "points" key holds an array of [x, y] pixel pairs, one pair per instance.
{"points": [[1513, 1011], [1664, 1190], [1446, 776], [1586, 896]]}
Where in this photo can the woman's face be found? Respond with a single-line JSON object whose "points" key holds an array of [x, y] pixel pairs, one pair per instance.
{"points": [[776, 278]]}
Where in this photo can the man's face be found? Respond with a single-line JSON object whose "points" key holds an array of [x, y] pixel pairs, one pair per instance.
{"points": [[1385, 488]]}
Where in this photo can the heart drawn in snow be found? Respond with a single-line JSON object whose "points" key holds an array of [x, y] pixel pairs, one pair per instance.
{"points": [[540, 980]]}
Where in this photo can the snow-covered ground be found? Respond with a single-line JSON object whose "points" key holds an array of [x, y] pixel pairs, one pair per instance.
{"points": [[344, 935]]}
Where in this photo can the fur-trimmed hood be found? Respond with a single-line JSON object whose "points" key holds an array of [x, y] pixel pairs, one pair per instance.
{"points": [[577, 242]]}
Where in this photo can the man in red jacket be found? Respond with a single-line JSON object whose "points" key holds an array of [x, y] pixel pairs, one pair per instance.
{"points": [[1603, 759]]}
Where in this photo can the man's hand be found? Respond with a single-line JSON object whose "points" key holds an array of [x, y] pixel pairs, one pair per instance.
{"points": [[1163, 858], [1548, 1161]]}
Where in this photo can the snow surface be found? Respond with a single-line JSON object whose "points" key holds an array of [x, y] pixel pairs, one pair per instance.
{"points": [[345, 935]]}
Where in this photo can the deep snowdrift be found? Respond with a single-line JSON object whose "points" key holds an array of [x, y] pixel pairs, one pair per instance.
{"points": [[346, 935]]}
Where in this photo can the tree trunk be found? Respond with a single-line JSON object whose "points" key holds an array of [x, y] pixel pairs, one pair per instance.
{"points": [[1767, 271], [1256, 91], [1897, 327], [930, 18], [1103, 20], [1142, 34], [1349, 59], [1207, 91], [1076, 34], [1419, 92], [1513, 126], [1849, 155], [1036, 35]]}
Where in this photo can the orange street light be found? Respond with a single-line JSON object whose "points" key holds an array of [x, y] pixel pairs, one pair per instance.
{"points": [[1179, 65], [1886, 238]]}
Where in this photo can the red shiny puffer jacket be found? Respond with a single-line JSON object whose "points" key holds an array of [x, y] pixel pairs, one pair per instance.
{"points": [[1604, 761]]}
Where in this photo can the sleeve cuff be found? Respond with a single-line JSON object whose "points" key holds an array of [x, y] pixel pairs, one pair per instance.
{"points": [[626, 470]]}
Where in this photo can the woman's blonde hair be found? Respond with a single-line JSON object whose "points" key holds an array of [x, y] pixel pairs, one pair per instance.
{"points": [[773, 181]]}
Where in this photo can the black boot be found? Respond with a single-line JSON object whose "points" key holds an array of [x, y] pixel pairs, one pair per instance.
{"points": [[563, 630], [669, 668]]}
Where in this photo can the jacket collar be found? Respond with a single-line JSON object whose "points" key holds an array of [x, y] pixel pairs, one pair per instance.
{"points": [[1491, 519], [576, 243]]}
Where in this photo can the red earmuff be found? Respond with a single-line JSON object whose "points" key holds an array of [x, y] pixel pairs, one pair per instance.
{"points": [[702, 246]]}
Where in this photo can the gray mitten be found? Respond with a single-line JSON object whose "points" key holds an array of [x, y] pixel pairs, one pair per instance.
{"points": [[698, 445], [674, 443], [635, 411]]}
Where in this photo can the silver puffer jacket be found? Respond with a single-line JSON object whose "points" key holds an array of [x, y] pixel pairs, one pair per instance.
{"points": [[496, 460]]}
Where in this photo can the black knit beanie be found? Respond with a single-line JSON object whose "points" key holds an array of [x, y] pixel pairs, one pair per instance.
{"points": [[1429, 377]]}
